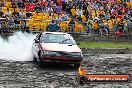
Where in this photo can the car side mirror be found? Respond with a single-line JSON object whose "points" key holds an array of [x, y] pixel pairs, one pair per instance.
{"points": [[36, 41]]}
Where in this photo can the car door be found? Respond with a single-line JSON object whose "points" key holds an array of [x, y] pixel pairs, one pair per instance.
{"points": [[36, 45]]}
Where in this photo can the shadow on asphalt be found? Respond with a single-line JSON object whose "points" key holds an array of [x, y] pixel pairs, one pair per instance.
{"points": [[50, 66]]}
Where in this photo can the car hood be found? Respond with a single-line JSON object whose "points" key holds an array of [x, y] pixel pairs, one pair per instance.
{"points": [[60, 47]]}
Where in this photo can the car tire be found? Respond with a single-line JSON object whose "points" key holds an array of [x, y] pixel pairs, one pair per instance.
{"points": [[40, 62], [77, 65]]}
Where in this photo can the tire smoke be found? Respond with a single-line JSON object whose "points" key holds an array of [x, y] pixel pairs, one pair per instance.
{"points": [[17, 47]]}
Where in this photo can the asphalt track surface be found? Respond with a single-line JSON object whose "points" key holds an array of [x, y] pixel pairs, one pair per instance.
{"points": [[29, 75]]}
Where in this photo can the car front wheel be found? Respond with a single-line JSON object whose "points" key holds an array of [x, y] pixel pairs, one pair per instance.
{"points": [[39, 60]]}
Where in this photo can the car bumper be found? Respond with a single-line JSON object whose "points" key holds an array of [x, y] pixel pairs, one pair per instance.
{"points": [[62, 59]]}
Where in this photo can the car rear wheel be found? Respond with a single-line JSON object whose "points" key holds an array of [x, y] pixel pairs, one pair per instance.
{"points": [[77, 65]]}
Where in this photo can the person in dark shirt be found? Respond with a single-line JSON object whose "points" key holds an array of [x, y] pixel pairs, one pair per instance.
{"points": [[69, 6], [130, 13], [55, 2], [1, 13], [85, 6], [52, 27], [20, 4], [71, 25], [119, 12], [64, 5], [28, 14], [37, 8], [120, 26], [14, 4], [15, 14]]}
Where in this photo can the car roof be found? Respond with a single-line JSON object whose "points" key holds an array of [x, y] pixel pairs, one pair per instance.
{"points": [[55, 33]]}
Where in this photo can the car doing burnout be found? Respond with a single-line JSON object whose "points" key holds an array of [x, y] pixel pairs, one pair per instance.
{"points": [[56, 47]]}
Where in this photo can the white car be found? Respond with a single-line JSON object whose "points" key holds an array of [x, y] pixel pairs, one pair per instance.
{"points": [[56, 47]]}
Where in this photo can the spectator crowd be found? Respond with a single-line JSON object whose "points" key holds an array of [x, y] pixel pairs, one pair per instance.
{"points": [[32, 14], [109, 16], [99, 16]]}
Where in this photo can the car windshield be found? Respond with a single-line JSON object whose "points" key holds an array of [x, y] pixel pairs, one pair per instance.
{"points": [[58, 38]]}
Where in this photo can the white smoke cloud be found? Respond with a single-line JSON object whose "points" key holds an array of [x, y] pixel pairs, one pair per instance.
{"points": [[17, 47]]}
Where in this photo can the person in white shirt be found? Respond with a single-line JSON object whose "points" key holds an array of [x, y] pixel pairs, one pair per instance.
{"points": [[7, 13], [79, 14]]}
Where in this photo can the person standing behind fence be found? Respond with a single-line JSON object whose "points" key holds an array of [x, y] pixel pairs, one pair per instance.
{"points": [[121, 26], [22, 22], [58, 19], [16, 17], [79, 14], [103, 27], [130, 27], [10, 24], [23, 25], [71, 25], [95, 26], [95, 7], [89, 25]]}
